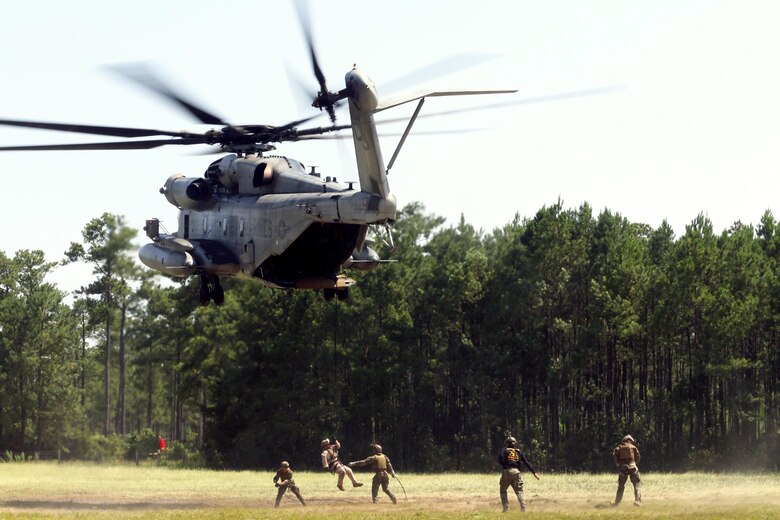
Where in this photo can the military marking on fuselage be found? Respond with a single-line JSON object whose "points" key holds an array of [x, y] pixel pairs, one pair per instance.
{"points": [[282, 229]]}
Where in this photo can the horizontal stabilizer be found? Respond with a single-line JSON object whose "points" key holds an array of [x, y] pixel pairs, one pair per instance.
{"points": [[418, 94]]}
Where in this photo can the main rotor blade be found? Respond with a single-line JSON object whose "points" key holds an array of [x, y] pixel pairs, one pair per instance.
{"points": [[437, 69], [143, 76], [117, 131], [119, 145], [258, 129], [338, 137], [305, 132], [526, 101]]}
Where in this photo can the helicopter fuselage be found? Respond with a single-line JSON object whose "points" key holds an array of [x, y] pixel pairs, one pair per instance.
{"points": [[266, 218]]}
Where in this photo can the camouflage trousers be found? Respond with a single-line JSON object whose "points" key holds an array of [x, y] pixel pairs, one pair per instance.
{"points": [[381, 478], [511, 477], [628, 471], [292, 487], [344, 471]]}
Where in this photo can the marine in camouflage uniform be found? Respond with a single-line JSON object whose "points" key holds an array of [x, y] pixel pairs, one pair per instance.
{"points": [[330, 462], [380, 464], [510, 458], [626, 456], [283, 480]]}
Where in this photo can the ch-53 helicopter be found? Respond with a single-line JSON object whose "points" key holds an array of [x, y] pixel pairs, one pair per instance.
{"points": [[260, 216]]}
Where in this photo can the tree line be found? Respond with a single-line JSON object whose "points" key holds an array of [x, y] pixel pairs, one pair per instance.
{"points": [[567, 330]]}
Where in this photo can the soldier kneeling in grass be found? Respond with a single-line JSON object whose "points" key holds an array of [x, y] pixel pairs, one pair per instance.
{"points": [[283, 480]]}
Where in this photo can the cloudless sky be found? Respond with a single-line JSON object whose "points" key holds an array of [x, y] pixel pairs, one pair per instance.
{"points": [[694, 130]]}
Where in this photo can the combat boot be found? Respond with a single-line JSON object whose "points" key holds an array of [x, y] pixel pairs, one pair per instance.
{"points": [[522, 502]]}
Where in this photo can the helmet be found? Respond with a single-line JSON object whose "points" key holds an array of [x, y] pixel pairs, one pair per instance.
{"points": [[325, 442], [285, 464], [377, 448], [629, 438], [510, 442]]}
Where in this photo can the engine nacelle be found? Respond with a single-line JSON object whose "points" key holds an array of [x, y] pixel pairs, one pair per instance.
{"points": [[188, 192], [168, 261], [246, 174]]}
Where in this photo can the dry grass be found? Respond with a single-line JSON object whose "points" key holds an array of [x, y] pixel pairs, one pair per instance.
{"points": [[40, 490]]}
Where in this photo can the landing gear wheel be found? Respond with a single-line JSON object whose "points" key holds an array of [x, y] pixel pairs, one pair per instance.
{"points": [[329, 294], [343, 294]]}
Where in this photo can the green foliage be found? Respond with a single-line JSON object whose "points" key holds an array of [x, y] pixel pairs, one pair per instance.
{"points": [[100, 448], [144, 443], [567, 330]]}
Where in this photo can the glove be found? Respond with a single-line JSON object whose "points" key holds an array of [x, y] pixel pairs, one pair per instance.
{"points": [[536, 476], [351, 464], [393, 474], [276, 484]]}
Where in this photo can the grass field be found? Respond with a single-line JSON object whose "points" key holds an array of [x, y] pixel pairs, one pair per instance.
{"points": [[84, 491]]}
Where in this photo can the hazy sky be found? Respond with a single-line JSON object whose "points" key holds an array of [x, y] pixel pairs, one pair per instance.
{"points": [[694, 130]]}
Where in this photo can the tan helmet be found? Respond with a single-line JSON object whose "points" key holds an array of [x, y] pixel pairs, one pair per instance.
{"points": [[285, 464], [325, 442], [510, 442], [629, 438], [377, 448]]}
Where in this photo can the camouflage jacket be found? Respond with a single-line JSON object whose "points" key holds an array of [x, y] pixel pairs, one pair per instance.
{"points": [[625, 454], [512, 457]]}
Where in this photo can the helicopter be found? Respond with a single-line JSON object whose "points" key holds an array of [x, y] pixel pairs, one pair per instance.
{"points": [[256, 215]]}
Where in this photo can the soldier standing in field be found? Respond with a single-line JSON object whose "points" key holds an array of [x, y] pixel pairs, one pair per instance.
{"points": [[283, 480], [380, 464], [510, 458], [330, 462], [626, 456]]}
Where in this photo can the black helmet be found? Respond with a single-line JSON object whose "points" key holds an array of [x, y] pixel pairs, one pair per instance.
{"points": [[510, 442]]}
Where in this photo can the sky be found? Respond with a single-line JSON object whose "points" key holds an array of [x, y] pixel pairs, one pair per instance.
{"points": [[692, 126]]}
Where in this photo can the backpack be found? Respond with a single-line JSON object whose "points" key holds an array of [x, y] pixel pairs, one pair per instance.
{"points": [[625, 454]]}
